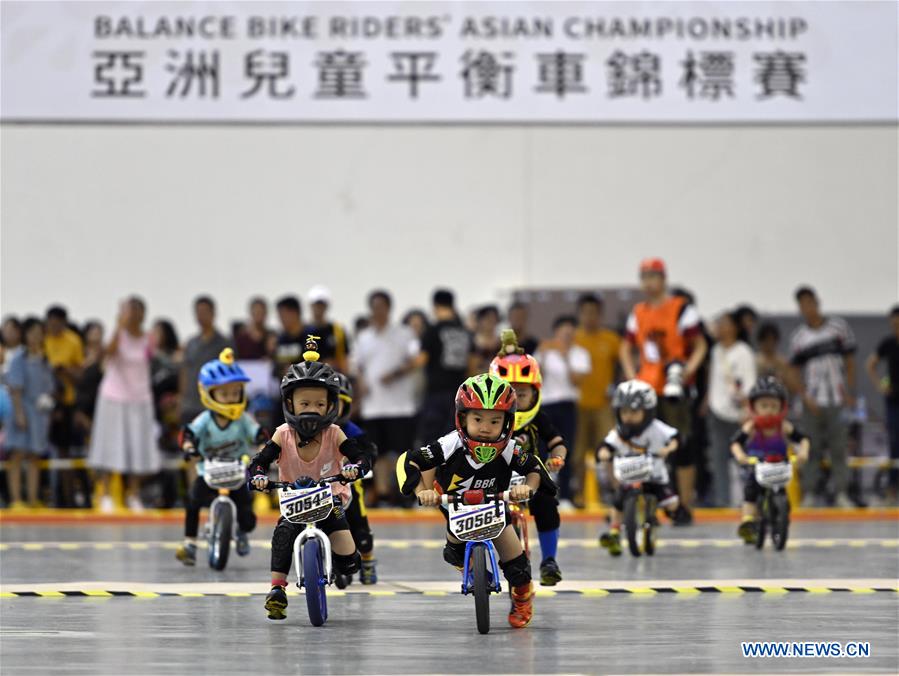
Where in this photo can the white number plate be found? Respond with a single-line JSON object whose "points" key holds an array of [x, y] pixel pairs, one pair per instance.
{"points": [[476, 522], [632, 469], [306, 505], [230, 474]]}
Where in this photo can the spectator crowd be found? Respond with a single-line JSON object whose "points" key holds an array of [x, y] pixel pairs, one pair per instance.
{"points": [[118, 396]]}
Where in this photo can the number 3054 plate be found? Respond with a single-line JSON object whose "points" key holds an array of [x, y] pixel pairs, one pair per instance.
{"points": [[306, 505], [476, 522]]}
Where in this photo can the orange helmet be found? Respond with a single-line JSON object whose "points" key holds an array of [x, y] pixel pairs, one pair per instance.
{"points": [[520, 368]]}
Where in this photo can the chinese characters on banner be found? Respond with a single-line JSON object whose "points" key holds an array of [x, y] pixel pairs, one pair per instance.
{"points": [[443, 61], [340, 74]]}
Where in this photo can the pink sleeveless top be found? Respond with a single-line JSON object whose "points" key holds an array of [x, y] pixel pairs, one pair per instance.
{"points": [[327, 463]]}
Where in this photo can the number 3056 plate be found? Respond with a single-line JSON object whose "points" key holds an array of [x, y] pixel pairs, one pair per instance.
{"points": [[476, 522], [306, 505]]}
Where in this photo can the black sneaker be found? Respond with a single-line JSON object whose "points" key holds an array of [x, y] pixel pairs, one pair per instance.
{"points": [[682, 517], [276, 603], [550, 574], [187, 554], [343, 581], [243, 543]]}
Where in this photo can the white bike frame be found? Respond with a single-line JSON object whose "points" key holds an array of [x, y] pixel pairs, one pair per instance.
{"points": [[308, 533]]}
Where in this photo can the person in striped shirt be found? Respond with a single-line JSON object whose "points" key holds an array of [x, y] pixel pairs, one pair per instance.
{"points": [[822, 354]]}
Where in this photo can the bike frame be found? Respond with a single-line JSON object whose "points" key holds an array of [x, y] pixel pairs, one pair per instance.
{"points": [[308, 533], [468, 577], [223, 497]]}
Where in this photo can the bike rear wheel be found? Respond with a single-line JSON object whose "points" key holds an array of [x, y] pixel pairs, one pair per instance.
{"points": [[631, 521], [220, 537], [314, 582], [478, 563]]}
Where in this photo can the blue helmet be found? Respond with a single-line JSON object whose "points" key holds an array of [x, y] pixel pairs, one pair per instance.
{"points": [[222, 371]]}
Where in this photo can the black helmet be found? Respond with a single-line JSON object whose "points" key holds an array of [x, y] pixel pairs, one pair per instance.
{"points": [[345, 395], [310, 373], [768, 386], [637, 396]]}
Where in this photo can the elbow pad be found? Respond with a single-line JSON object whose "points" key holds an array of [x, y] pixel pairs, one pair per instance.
{"points": [[426, 457]]}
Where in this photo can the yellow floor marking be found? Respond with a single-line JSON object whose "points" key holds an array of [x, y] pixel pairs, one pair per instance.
{"points": [[594, 592], [33, 547], [98, 593], [730, 590], [51, 595], [775, 590]]}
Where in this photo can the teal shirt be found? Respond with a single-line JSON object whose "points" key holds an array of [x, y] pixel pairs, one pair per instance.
{"points": [[228, 443]]}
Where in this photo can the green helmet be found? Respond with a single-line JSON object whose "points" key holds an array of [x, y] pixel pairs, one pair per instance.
{"points": [[486, 392]]}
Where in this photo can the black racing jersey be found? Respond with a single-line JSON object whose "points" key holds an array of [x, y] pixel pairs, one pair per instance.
{"points": [[457, 470], [536, 435]]}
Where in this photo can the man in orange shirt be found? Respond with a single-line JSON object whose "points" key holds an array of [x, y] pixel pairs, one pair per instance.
{"points": [[665, 330], [594, 418]]}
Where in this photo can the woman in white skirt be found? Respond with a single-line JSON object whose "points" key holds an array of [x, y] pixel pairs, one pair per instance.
{"points": [[123, 439]]}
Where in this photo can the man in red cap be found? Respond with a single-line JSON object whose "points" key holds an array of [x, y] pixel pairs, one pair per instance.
{"points": [[665, 331]]}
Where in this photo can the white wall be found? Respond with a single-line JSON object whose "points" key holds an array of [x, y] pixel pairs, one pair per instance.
{"points": [[92, 213]]}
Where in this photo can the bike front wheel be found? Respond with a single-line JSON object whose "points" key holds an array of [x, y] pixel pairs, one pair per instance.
{"points": [[478, 563], [220, 537], [630, 522], [314, 582], [780, 522]]}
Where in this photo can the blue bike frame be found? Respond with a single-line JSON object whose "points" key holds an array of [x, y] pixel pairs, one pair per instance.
{"points": [[468, 578]]}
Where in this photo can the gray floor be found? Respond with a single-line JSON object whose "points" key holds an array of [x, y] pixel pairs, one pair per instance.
{"points": [[407, 632]]}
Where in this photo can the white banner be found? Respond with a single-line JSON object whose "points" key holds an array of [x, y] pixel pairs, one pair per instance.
{"points": [[450, 62]]}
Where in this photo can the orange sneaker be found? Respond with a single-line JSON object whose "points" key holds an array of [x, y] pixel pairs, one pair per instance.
{"points": [[522, 606]]}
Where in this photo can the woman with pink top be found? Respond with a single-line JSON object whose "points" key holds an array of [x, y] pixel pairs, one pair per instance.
{"points": [[124, 436]]}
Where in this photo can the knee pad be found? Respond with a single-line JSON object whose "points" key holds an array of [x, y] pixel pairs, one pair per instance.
{"points": [[454, 553], [282, 547], [751, 492], [347, 564], [546, 516], [517, 570], [365, 542]]}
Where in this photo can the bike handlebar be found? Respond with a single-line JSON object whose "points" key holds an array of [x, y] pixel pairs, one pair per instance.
{"points": [[475, 497], [324, 481]]}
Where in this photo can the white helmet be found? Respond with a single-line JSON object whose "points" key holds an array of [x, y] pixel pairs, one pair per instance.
{"points": [[637, 396]]}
